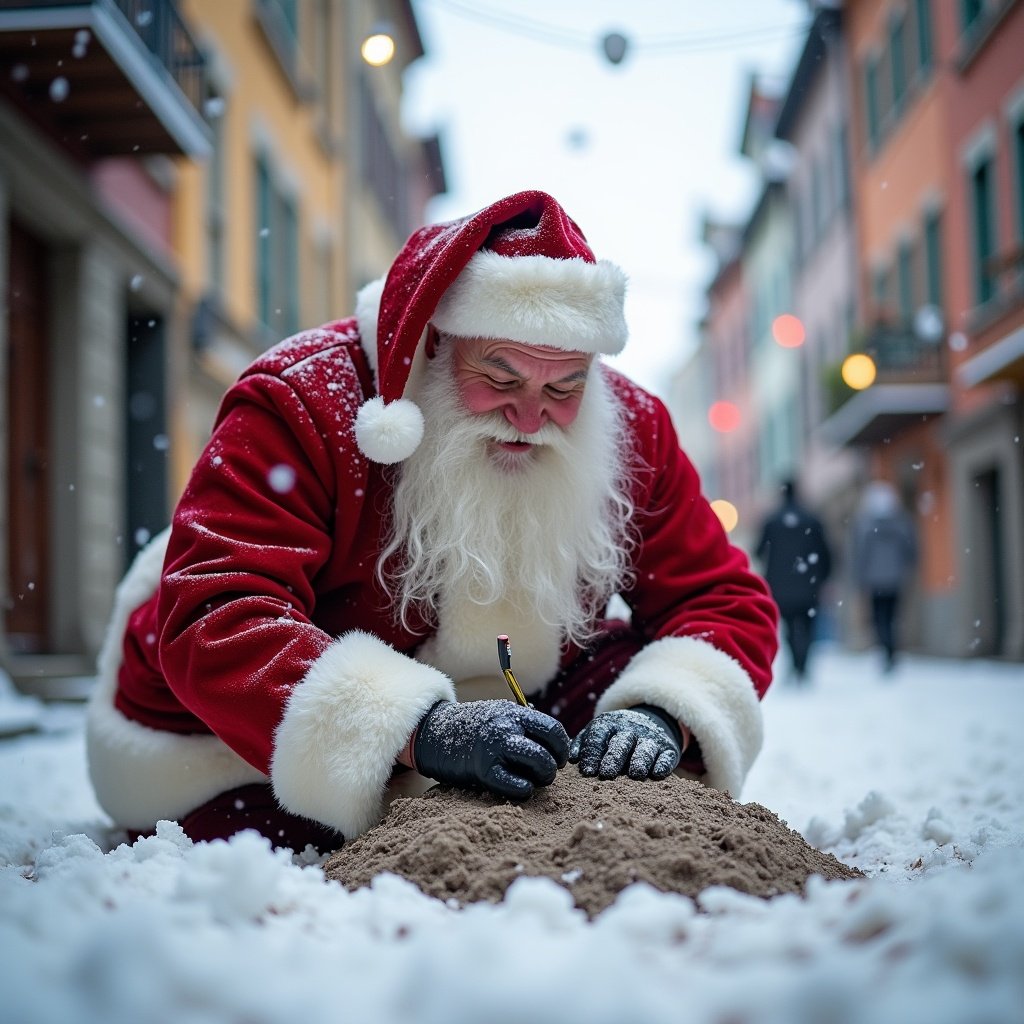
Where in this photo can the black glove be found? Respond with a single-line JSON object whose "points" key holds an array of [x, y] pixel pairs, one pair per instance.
{"points": [[490, 744], [643, 742]]}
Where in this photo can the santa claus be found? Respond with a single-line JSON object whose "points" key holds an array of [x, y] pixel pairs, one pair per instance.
{"points": [[379, 500]]}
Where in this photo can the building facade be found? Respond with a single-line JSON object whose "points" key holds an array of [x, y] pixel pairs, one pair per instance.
{"points": [[181, 185], [899, 220], [984, 428], [814, 121]]}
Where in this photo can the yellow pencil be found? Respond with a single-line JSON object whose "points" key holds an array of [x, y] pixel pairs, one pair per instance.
{"points": [[505, 661]]}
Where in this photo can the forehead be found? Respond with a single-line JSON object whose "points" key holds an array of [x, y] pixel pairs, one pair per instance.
{"points": [[521, 357]]}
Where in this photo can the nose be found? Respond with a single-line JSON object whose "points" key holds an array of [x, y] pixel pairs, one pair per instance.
{"points": [[526, 414]]}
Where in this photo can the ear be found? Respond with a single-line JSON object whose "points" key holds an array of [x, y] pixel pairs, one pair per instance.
{"points": [[431, 341]]}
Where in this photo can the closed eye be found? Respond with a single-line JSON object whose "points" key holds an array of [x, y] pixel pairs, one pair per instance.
{"points": [[561, 393]]}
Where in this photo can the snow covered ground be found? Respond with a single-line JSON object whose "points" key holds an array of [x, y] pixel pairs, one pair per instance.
{"points": [[917, 778]]}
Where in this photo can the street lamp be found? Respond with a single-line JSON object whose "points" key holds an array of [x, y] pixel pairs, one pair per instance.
{"points": [[379, 45]]}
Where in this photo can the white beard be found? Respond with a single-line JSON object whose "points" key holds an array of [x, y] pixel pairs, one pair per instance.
{"points": [[540, 537]]}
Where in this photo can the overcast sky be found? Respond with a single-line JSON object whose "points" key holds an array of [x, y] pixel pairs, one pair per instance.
{"points": [[523, 97]]}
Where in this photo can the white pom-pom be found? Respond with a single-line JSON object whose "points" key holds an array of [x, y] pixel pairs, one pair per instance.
{"points": [[389, 433]]}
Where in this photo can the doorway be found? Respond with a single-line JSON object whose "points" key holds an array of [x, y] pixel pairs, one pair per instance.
{"points": [[990, 574], [26, 615]]}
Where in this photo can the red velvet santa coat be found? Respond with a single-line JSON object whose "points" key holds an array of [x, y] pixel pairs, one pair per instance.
{"points": [[261, 646]]}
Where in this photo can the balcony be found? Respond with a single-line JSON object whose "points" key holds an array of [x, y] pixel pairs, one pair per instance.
{"points": [[911, 386], [105, 77], [996, 327]]}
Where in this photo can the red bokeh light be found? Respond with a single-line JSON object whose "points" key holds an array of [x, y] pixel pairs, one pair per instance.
{"points": [[724, 416], [788, 331]]}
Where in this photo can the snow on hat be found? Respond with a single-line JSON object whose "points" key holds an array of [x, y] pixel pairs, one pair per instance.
{"points": [[519, 269]]}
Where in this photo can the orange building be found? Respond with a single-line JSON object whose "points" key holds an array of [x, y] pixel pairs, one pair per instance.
{"points": [[900, 88], [984, 429]]}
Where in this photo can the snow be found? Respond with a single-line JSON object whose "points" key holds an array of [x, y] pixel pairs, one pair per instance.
{"points": [[916, 777]]}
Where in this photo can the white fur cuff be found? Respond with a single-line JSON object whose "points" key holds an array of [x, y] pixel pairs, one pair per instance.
{"points": [[345, 723], [705, 689]]}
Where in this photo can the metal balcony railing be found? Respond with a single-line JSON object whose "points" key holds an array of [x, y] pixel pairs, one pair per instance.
{"points": [[159, 25], [900, 357], [107, 77]]}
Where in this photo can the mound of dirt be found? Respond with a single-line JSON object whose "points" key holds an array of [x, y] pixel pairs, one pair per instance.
{"points": [[594, 838]]}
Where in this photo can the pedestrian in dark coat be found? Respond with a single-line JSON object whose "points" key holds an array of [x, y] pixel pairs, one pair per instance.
{"points": [[795, 554]]}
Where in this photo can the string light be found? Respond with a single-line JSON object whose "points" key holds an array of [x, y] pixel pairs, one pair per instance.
{"points": [[688, 42]]}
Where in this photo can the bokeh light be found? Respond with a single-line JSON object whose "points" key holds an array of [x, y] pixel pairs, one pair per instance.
{"points": [[377, 49], [859, 371], [724, 416], [727, 513], [788, 331]]}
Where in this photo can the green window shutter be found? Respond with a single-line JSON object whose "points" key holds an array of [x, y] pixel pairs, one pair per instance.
{"points": [[984, 233], [922, 9], [897, 63], [871, 111], [264, 244], [1018, 152], [290, 277], [933, 258], [905, 280]]}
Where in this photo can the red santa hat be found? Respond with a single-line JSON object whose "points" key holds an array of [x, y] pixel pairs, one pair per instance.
{"points": [[520, 269]]}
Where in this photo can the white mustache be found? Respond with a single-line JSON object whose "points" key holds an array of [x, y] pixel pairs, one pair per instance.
{"points": [[494, 427]]}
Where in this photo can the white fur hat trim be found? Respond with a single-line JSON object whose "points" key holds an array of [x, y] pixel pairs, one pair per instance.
{"points": [[562, 303]]}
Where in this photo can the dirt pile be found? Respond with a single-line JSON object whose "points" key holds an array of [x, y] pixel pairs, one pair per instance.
{"points": [[594, 838]]}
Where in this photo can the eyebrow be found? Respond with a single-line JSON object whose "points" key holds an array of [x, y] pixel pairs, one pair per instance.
{"points": [[498, 363]]}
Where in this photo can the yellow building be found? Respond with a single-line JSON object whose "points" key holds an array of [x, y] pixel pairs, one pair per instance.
{"points": [[311, 187]]}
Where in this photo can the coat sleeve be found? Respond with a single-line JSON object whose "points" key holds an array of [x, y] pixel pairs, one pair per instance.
{"points": [[710, 620], [324, 716]]}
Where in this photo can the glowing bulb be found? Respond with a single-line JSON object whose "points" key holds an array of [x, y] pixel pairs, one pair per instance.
{"points": [[788, 331], [377, 49], [724, 416], [726, 512], [859, 371]]}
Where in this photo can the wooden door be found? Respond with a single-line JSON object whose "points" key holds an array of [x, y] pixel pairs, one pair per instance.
{"points": [[28, 452]]}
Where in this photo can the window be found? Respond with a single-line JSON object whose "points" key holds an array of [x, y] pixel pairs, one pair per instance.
{"points": [[897, 62], [905, 281], [933, 258], [982, 202], [970, 12], [288, 267], [1018, 152], [871, 110], [215, 211], [290, 16], [922, 10], [880, 291], [842, 167], [819, 198], [264, 300], [277, 255], [381, 170]]}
